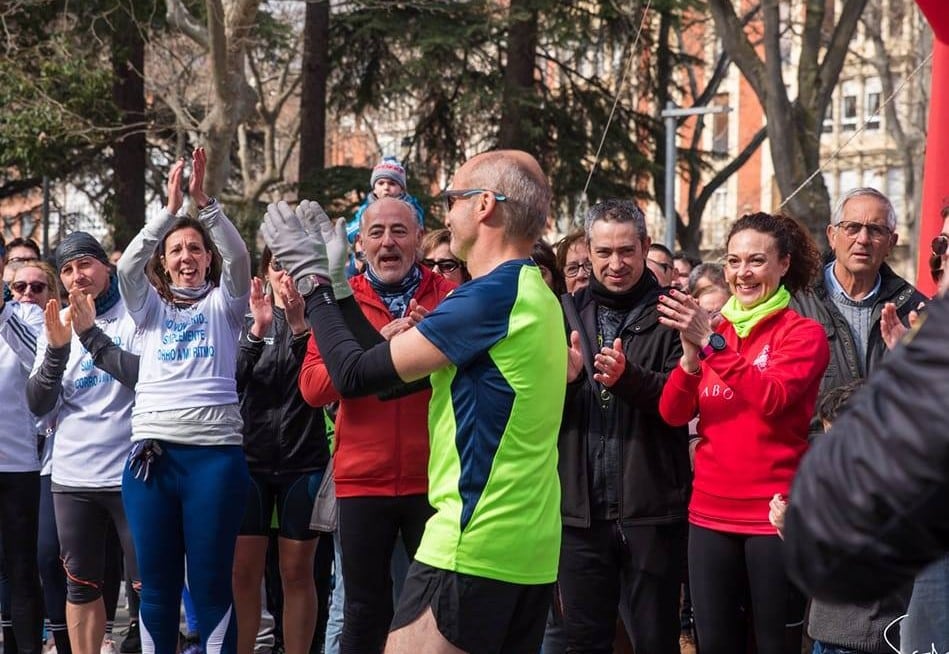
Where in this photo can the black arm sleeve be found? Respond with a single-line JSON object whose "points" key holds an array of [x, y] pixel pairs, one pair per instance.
{"points": [[868, 505], [121, 364], [355, 370], [248, 354], [367, 336], [44, 387]]}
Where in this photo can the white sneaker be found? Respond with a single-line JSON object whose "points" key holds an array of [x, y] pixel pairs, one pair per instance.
{"points": [[49, 647], [108, 646]]}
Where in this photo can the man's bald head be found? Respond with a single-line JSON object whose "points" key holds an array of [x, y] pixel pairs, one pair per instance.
{"points": [[517, 176]]}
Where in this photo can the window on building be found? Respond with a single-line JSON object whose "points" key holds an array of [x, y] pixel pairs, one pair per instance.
{"points": [[872, 99], [830, 181], [720, 125], [828, 125], [850, 179], [784, 12], [848, 107], [896, 16], [896, 191]]}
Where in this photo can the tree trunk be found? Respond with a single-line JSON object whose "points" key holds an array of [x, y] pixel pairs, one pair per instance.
{"points": [[519, 93], [794, 128], [128, 159], [313, 94], [233, 98]]}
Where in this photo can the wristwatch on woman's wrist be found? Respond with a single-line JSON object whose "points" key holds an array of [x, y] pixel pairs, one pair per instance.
{"points": [[716, 343]]}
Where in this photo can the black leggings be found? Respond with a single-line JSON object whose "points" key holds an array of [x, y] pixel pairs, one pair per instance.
{"points": [[726, 572], [86, 522], [19, 519], [368, 527]]}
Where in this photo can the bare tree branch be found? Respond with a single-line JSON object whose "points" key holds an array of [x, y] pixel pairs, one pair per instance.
{"points": [[181, 19]]}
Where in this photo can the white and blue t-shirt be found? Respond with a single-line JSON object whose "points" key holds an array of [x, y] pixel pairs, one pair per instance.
{"points": [[189, 355], [93, 413]]}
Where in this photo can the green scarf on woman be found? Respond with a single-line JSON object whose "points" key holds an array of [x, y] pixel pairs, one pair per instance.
{"points": [[743, 320]]}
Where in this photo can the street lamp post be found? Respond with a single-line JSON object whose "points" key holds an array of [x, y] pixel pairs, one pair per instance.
{"points": [[670, 115]]}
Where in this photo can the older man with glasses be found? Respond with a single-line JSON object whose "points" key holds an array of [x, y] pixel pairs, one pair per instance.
{"points": [[865, 307], [857, 286]]}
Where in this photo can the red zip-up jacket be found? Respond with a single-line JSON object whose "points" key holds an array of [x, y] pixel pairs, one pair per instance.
{"points": [[381, 446], [754, 400]]}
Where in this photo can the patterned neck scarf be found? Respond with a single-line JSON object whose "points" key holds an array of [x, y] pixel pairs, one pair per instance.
{"points": [[396, 296]]}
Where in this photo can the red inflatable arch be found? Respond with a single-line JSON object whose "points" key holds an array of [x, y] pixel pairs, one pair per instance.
{"points": [[935, 177]]}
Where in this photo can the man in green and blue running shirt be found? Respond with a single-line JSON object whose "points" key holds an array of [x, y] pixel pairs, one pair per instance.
{"points": [[495, 350]]}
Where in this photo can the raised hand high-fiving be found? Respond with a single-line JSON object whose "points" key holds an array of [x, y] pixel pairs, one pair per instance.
{"points": [[300, 249]]}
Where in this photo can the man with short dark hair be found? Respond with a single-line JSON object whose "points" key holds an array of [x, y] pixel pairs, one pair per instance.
{"points": [[624, 472], [683, 264], [482, 576], [659, 260]]}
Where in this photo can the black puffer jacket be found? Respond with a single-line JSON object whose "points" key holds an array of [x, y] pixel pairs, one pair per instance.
{"points": [[647, 461], [844, 367], [282, 433], [869, 502]]}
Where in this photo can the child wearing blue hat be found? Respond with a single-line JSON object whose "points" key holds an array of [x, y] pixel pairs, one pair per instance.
{"points": [[388, 180]]}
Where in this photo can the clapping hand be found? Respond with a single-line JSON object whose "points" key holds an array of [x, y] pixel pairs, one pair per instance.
{"points": [[58, 328], [337, 245], [82, 310], [574, 357], [293, 305], [307, 243], [299, 251], [175, 193], [681, 312], [891, 328], [260, 308], [610, 364]]}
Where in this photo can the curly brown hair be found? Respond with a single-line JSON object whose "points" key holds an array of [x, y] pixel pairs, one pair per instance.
{"points": [[792, 240]]}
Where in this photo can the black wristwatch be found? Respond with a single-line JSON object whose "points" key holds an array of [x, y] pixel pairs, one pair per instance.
{"points": [[716, 343]]}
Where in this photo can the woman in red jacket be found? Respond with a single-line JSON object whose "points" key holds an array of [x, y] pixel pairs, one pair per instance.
{"points": [[753, 382]]}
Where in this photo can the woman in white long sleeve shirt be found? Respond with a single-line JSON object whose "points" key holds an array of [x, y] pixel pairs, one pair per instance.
{"points": [[186, 283]]}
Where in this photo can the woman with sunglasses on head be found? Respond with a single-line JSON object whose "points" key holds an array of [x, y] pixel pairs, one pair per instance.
{"points": [[753, 382], [35, 282], [186, 284], [437, 257], [19, 468], [287, 451]]}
